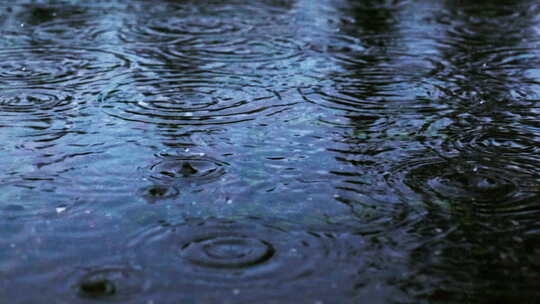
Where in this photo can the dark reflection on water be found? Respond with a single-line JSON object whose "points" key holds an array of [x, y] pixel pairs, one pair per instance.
{"points": [[275, 151]]}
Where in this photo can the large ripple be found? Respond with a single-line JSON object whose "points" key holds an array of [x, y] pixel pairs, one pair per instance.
{"points": [[182, 22], [243, 254], [485, 188], [53, 67], [83, 30], [189, 100], [256, 47], [496, 140]]}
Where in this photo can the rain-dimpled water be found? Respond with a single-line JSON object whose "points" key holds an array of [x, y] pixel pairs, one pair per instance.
{"points": [[270, 151]]}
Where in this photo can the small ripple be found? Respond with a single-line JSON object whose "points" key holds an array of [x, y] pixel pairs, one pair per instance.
{"points": [[226, 253], [194, 100], [189, 168], [116, 284], [157, 191]]}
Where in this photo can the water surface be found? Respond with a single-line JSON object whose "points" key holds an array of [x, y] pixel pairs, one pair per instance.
{"points": [[270, 151]]}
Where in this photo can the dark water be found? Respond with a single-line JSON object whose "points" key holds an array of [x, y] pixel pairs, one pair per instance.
{"points": [[270, 151]]}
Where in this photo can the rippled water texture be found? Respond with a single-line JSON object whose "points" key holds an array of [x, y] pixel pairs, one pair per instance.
{"points": [[270, 151]]}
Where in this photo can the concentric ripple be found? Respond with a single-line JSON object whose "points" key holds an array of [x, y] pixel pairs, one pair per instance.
{"points": [[394, 96], [182, 22], [227, 252], [496, 140], [197, 169], [116, 284], [169, 28], [485, 187], [83, 30], [189, 101], [247, 48], [58, 66], [239, 254], [34, 100], [156, 192]]}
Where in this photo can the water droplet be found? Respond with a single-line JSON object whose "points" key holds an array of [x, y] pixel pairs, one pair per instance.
{"points": [[60, 209], [96, 288], [109, 283]]}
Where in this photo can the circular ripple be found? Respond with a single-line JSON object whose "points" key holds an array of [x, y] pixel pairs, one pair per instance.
{"points": [[358, 98], [55, 66], [482, 186], [245, 253], [495, 140], [109, 283], [74, 30], [248, 48], [182, 22], [173, 28], [227, 252], [34, 101], [42, 113], [157, 192], [188, 101], [197, 169]]}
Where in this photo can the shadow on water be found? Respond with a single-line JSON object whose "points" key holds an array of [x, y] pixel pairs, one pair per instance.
{"points": [[481, 178], [269, 151]]}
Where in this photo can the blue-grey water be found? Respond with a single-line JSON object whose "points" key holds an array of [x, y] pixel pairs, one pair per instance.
{"points": [[270, 151]]}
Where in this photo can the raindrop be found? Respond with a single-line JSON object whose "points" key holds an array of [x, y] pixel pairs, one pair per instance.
{"points": [[189, 169], [109, 283]]}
